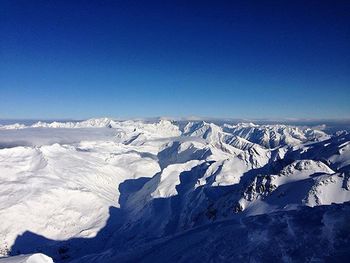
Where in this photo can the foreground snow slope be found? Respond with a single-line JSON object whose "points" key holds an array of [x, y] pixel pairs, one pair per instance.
{"points": [[35, 258], [103, 186], [307, 235]]}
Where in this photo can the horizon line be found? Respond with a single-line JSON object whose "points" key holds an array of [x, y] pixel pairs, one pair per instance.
{"points": [[181, 118]]}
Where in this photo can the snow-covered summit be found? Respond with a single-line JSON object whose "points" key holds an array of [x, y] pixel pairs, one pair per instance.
{"points": [[272, 136]]}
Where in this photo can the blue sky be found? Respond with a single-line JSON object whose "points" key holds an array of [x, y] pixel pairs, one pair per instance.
{"points": [[239, 59]]}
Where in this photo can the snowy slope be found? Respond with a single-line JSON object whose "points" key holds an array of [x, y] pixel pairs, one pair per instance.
{"points": [[35, 258], [305, 235], [112, 185]]}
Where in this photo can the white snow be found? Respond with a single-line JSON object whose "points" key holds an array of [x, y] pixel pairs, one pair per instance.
{"points": [[59, 179], [35, 258]]}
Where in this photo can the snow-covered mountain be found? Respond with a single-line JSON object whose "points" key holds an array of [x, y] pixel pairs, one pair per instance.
{"points": [[104, 190]]}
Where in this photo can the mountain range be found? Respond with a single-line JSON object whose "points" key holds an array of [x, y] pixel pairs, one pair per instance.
{"points": [[105, 190]]}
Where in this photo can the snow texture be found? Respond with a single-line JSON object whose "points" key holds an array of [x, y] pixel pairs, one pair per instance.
{"points": [[104, 190]]}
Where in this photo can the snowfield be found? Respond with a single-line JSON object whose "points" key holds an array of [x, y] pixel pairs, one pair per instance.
{"points": [[103, 190], [35, 258]]}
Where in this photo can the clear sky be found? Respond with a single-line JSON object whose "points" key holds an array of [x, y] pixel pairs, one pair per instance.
{"points": [[240, 59]]}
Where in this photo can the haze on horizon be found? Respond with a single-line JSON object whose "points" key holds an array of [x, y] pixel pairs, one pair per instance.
{"points": [[227, 59]]}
